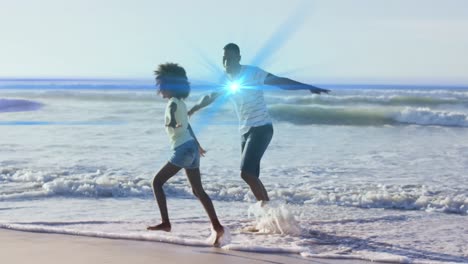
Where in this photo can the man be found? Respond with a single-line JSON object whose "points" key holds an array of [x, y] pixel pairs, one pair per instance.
{"points": [[245, 83]]}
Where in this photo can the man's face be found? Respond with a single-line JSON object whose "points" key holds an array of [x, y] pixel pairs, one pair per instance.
{"points": [[231, 61]]}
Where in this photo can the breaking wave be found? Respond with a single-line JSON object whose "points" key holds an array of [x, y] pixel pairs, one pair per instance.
{"points": [[305, 115], [19, 184]]}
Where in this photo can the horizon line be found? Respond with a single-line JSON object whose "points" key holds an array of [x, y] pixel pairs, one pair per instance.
{"points": [[150, 81]]}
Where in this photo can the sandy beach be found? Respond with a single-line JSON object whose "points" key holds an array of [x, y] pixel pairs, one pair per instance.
{"points": [[25, 247]]}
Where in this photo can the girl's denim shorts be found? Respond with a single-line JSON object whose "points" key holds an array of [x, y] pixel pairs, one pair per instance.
{"points": [[186, 155]]}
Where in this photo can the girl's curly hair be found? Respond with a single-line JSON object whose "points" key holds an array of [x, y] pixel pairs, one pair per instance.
{"points": [[173, 78]]}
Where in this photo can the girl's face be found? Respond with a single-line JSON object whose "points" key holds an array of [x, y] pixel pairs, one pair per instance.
{"points": [[163, 92]]}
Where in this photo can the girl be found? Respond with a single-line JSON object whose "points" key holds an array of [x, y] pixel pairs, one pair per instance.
{"points": [[173, 85]]}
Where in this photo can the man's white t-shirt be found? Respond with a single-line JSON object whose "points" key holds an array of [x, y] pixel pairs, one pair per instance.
{"points": [[248, 100]]}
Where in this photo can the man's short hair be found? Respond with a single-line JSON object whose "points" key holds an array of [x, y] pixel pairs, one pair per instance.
{"points": [[173, 78], [233, 47]]}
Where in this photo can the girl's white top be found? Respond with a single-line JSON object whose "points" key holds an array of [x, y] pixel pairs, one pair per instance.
{"points": [[178, 135]]}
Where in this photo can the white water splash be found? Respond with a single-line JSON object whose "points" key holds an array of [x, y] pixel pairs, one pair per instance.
{"points": [[274, 218]]}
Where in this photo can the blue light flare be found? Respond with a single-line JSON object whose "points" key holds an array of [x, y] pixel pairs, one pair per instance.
{"points": [[274, 43]]}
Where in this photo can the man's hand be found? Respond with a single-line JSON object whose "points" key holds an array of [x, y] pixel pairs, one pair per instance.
{"points": [[316, 90]]}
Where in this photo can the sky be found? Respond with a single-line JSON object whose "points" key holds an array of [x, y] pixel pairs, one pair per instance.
{"points": [[315, 41]]}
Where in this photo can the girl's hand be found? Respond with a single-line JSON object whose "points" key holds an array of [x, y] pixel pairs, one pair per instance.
{"points": [[174, 124], [201, 151], [190, 112]]}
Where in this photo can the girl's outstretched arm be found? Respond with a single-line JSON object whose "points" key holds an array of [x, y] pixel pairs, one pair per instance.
{"points": [[204, 101]]}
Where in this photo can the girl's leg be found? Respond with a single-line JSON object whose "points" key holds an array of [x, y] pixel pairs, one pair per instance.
{"points": [[161, 177], [195, 181]]}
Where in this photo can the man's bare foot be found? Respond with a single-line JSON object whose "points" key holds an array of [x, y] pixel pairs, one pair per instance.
{"points": [[219, 234], [161, 227]]}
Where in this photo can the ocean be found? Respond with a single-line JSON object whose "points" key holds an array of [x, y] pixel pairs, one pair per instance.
{"points": [[366, 172]]}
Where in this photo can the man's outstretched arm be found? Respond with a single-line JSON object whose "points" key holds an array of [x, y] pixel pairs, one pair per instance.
{"points": [[288, 84], [205, 101]]}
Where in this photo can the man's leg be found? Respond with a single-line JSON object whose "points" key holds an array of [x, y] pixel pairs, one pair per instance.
{"points": [[255, 185], [254, 146]]}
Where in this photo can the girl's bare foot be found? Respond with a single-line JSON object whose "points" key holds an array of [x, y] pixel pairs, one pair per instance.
{"points": [[219, 233], [252, 229], [161, 227]]}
